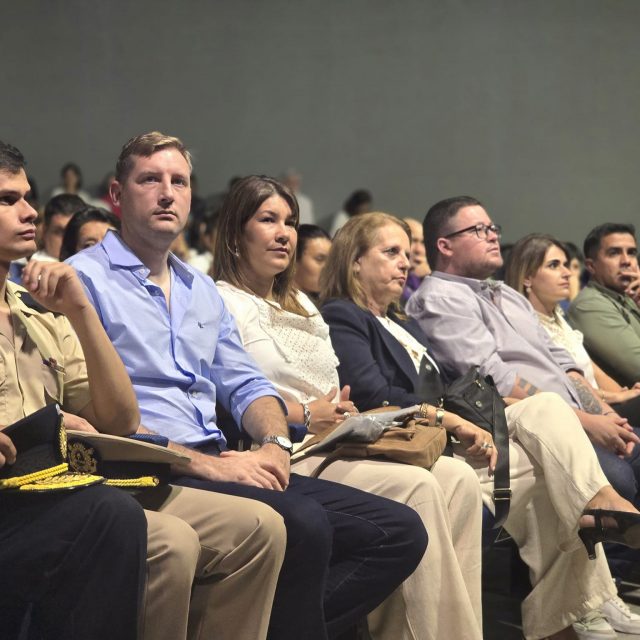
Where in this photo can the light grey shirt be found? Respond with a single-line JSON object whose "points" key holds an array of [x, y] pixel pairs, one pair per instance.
{"points": [[489, 324]]}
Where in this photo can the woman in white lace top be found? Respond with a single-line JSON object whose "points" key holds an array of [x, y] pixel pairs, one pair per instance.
{"points": [[281, 328]]}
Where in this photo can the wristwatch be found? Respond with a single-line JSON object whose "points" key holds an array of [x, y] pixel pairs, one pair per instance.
{"points": [[281, 441]]}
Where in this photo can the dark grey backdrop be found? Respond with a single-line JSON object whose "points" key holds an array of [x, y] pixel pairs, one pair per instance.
{"points": [[532, 106]]}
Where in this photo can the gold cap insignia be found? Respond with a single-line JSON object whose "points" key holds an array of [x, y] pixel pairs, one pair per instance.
{"points": [[82, 458]]}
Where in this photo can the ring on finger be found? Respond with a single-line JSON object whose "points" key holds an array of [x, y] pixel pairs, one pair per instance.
{"points": [[39, 277], [346, 415], [486, 445]]}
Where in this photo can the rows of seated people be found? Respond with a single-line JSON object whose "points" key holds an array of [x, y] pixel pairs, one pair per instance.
{"points": [[304, 329]]}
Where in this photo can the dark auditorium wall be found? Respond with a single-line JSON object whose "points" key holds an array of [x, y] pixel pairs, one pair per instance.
{"points": [[531, 105]]}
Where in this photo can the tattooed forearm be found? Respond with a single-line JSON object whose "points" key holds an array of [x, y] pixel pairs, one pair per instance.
{"points": [[588, 399], [526, 386]]}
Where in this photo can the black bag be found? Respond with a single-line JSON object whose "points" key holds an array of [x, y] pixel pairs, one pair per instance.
{"points": [[475, 398]]}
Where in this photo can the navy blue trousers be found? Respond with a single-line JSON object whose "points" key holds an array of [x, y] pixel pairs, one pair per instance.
{"points": [[347, 550], [74, 561]]}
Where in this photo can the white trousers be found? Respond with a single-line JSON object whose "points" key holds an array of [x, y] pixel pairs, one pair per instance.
{"points": [[554, 473], [442, 599]]}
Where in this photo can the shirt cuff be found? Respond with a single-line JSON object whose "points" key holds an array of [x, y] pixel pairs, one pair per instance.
{"points": [[239, 408]]}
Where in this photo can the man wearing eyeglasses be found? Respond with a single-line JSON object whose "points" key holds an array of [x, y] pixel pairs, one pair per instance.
{"points": [[471, 320]]}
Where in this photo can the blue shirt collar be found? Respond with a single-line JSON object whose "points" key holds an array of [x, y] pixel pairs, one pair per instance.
{"points": [[121, 256]]}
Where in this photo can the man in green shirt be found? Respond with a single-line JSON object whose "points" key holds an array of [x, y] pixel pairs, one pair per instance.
{"points": [[607, 311]]}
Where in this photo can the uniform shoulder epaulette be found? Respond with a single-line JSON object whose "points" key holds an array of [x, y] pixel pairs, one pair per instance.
{"points": [[27, 299]]}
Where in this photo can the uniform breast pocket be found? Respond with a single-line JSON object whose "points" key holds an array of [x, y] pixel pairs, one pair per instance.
{"points": [[51, 383]]}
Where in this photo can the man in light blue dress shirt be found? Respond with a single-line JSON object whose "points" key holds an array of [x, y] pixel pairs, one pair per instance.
{"points": [[346, 549]]}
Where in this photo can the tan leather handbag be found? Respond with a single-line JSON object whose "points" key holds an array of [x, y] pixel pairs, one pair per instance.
{"points": [[413, 442]]}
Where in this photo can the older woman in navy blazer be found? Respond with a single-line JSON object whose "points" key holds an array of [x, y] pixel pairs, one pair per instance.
{"points": [[378, 368], [383, 372]]}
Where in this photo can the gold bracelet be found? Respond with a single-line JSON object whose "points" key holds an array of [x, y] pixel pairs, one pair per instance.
{"points": [[424, 413], [439, 416]]}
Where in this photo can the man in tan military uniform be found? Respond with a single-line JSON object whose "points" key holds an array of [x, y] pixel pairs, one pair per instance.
{"points": [[229, 548]]}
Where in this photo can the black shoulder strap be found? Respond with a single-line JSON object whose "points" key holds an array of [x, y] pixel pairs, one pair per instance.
{"points": [[501, 483]]}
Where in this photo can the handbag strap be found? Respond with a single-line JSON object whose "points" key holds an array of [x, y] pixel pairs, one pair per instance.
{"points": [[501, 483], [496, 423], [329, 458], [429, 384]]}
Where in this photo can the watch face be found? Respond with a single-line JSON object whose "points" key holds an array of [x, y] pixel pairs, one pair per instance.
{"points": [[284, 442]]}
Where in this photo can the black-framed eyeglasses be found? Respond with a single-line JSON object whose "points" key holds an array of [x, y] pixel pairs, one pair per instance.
{"points": [[482, 230]]}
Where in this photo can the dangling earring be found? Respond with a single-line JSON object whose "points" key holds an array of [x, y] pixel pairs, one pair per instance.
{"points": [[236, 253], [527, 290]]}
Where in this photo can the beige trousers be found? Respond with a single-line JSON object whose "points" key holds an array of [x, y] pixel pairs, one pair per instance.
{"points": [[229, 549], [441, 600], [554, 473]]}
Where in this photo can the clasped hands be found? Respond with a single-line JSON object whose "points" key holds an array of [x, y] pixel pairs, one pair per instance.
{"points": [[326, 413], [267, 467], [612, 432]]}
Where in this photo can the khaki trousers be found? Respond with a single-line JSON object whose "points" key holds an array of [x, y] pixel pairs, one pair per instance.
{"points": [[441, 600], [228, 549], [554, 473]]}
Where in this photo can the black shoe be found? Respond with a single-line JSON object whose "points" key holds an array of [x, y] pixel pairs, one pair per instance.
{"points": [[627, 531]]}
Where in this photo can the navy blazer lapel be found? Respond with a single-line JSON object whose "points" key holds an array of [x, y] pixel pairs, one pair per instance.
{"points": [[398, 352]]}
